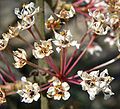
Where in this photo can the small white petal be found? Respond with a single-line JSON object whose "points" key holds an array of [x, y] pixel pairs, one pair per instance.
{"points": [[36, 97], [66, 96], [104, 73], [65, 86], [94, 73], [80, 73], [57, 97]]}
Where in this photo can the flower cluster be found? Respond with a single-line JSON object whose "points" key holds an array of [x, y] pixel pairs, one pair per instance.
{"points": [[94, 82], [26, 14], [58, 90], [29, 91], [64, 40], [98, 23], [42, 49], [66, 13], [52, 23], [20, 58]]}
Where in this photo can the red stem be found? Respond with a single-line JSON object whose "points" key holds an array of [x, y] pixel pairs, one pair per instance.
{"points": [[3, 79], [81, 55], [74, 53], [77, 82], [73, 77], [7, 64], [36, 66], [64, 60], [83, 13], [5, 73], [46, 84], [51, 63], [104, 64], [45, 88], [99, 66]]}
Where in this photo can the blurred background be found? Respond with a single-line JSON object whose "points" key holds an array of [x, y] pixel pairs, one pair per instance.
{"points": [[79, 99]]}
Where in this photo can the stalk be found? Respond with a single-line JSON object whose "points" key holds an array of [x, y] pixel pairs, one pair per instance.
{"points": [[105, 64], [81, 55], [75, 52], [7, 64], [35, 38], [52, 64], [40, 25]]}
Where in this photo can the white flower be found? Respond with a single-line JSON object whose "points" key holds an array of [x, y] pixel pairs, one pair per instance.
{"points": [[113, 19], [94, 82], [64, 39], [66, 13], [28, 10], [20, 58], [42, 49], [94, 49], [52, 23], [26, 14], [97, 15], [4, 41], [99, 28], [98, 23], [58, 90], [29, 91]]}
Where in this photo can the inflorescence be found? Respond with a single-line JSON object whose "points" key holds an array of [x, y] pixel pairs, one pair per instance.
{"points": [[102, 18]]}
